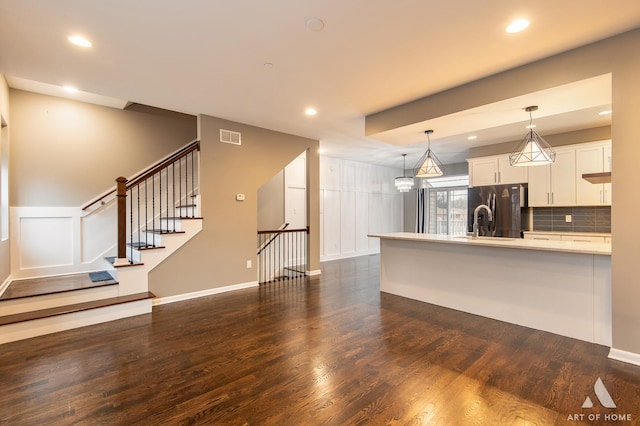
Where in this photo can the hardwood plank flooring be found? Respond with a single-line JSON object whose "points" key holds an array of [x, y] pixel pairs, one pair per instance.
{"points": [[326, 350]]}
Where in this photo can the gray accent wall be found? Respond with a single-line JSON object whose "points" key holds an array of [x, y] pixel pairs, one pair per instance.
{"points": [[66, 153], [217, 256]]}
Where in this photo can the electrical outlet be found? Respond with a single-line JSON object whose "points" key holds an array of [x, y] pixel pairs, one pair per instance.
{"points": [[248, 264], [567, 218]]}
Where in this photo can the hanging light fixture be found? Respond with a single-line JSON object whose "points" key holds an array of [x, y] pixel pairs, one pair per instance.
{"points": [[428, 165], [404, 183], [533, 150]]}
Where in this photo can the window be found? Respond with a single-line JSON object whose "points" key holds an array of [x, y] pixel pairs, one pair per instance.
{"points": [[447, 211]]}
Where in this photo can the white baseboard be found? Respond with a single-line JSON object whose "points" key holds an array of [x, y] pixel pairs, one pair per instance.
{"points": [[624, 356], [348, 255], [187, 296], [313, 273], [5, 284]]}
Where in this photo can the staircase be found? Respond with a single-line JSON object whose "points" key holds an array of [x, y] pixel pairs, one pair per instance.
{"points": [[159, 212]]}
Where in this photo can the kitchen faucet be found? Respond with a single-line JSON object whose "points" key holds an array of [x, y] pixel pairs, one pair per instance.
{"points": [[475, 218]]}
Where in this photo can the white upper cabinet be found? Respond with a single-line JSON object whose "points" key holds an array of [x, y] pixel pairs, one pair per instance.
{"points": [[594, 158], [495, 170], [554, 184]]}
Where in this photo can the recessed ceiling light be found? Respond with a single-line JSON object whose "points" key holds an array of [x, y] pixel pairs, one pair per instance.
{"points": [[310, 111], [70, 89], [79, 41], [605, 112], [472, 137], [321, 151], [530, 126], [517, 25], [314, 24]]}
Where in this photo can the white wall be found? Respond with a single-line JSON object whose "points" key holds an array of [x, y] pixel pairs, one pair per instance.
{"points": [[356, 199]]}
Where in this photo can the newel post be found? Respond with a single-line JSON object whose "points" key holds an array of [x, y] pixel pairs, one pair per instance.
{"points": [[122, 220]]}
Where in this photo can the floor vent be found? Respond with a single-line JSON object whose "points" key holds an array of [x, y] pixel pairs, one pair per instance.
{"points": [[228, 136]]}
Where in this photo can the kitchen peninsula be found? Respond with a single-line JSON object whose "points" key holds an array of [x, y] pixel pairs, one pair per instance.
{"points": [[557, 286]]}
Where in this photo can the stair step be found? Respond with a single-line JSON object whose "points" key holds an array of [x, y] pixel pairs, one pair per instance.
{"points": [[185, 206], [51, 285], [78, 307], [163, 231], [112, 261], [144, 246]]}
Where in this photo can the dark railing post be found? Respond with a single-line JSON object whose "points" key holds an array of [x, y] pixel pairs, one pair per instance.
{"points": [[121, 193]]}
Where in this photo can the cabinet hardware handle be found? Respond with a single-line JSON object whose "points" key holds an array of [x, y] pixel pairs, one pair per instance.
{"points": [[601, 197], [499, 177], [495, 177]]}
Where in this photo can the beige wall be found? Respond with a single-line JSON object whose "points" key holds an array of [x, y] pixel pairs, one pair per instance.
{"points": [[65, 153], [617, 55], [217, 256], [5, 246], [271, 203]]}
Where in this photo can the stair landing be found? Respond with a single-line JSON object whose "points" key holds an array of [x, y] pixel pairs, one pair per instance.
{"points": [[51, 285]]}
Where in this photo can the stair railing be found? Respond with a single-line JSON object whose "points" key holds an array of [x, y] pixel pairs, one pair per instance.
{"points": [[282, 254], [155, 201]]}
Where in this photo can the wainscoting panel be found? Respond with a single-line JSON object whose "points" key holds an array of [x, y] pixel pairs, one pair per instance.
{"points": [[46, 242], [59, 240]]}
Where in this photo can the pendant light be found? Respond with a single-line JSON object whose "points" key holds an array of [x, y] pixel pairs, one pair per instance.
{"points": [[533, 150], [428, 165], [404, 183]]}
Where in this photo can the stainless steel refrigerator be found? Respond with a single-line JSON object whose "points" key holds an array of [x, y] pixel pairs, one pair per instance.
{"points": [[507, 203]]}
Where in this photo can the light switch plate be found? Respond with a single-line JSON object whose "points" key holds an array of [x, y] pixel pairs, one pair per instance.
{"points": [[239, 197]]}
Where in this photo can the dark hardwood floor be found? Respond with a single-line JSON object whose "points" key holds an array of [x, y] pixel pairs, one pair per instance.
{"points": [[329, 350]]}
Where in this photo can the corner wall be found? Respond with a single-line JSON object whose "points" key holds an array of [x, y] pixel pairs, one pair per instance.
{"points": [[217, 256], [5, 245]]}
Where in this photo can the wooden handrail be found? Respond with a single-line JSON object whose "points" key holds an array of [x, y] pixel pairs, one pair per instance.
{"points": [[155, 169], [193, 146]]}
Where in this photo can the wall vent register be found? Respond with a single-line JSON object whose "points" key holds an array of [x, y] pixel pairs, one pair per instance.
{"points": [[229, 136]]}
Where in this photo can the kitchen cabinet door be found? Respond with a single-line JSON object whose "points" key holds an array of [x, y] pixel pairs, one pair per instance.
{"points": [[484, 171], [593, 159], [554, 184], [539, 186], [510, 174], [607, 168], [563, 178], [582, 238]]}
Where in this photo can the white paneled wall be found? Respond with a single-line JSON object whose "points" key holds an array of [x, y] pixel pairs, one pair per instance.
{"points": [[60, 240], [356, 199]]}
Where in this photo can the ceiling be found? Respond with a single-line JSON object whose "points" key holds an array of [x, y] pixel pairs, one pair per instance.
{"points": [[212, 57]]}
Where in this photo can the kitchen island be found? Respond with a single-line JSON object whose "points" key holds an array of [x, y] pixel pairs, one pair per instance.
{"points": [[557, 286]]}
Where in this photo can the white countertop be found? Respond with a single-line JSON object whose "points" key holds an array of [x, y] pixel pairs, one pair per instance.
{"points": [[519, 243]]}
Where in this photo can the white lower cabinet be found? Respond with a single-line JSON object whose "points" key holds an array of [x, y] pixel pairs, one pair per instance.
{"points": [[582, 238], [574, 237], [542, 237]]}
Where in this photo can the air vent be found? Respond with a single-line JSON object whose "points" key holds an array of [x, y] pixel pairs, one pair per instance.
{"points": [[228, 136]]}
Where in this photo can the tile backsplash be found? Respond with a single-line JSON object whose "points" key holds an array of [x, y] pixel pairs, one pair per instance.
{"points": [[583, 219]]}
